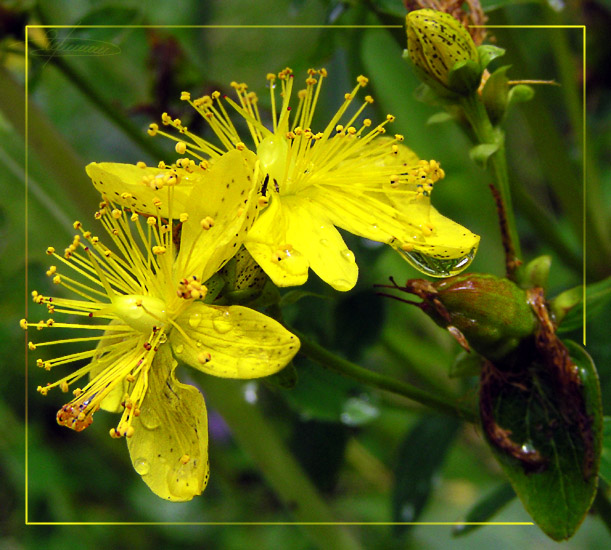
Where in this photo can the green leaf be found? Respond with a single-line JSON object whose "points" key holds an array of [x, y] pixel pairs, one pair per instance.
{"points": [[495, 93], [293, 296], [486, 508], [480, 153], [487, 53], [520, 93], [568, 306], [421, 456], [395, 8], [438, 118], [285, 378], [605, 458], [546, 434], [320, 393]]}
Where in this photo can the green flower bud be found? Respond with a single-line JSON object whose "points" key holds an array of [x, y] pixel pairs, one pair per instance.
{"points": [[492, 313], [437, 43]]}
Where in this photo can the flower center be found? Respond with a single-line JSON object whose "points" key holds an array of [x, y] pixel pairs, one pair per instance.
{"points": [[142, 313]]}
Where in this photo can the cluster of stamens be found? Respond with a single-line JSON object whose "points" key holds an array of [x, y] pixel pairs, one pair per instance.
{"points": [[191, 289]]}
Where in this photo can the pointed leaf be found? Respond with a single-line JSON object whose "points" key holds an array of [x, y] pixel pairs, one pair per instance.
{"points": [[480, 153], [486, 508], [546, 434], [421, 456]]}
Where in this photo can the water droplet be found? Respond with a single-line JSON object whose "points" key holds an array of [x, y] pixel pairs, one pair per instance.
{"points": [[182, 482], [528, 448], [250, 392], [324, 242], [221, 323], [179, 348], [438, 267], [195, 320], [149, 419], [347, 255], [142, 466]]}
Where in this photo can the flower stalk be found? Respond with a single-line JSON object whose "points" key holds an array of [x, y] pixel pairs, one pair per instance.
{"points": [[347, 368]]}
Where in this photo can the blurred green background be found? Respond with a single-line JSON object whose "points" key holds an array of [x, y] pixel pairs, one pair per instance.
{"points": [[352, 441]]}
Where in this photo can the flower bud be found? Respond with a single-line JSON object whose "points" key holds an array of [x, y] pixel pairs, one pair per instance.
{"points": [[443, 52], [492, 313]]}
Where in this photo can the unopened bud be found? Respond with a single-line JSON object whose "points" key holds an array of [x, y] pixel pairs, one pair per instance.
{"points": [[443, 52]]}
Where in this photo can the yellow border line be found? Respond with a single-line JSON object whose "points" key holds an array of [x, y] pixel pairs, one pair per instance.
{"points": [[424, 523]]}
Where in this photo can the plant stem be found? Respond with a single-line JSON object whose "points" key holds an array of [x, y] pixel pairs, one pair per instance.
{"points": [[261, 441], [347, 368], [497, 163]]}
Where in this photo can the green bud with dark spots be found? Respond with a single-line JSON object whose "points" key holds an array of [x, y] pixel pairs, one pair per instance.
{"points": [[443, 52]]}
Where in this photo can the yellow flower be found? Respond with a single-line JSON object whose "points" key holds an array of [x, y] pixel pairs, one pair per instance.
{"points": [[145, 294], [344, 175]]}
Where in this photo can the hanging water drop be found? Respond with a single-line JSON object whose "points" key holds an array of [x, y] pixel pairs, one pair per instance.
{"points": [[142, 466], [179, 349], [438, 267]]}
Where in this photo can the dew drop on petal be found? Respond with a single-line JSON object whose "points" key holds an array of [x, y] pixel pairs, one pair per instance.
{"points": [[179, 349], [149, 419], [181, 481], [195, 320], [142, 466], [324, 242], [222, 324], [347, 255]]}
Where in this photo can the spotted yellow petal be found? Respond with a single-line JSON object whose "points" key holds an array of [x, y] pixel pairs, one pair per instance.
{"points": [[169, 447], [267, 244], [448, 240], [312, 235], [221, 209], [232, 342], [136, 188]]}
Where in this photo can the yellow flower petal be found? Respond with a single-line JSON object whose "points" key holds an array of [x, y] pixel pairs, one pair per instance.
{"points": [[136, 188], [267, 244], [232, 342], [448, 240], [314, 236], [221, 210], [169, 447]]}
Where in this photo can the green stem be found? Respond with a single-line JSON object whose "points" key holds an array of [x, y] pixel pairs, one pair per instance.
{"points": [[260, 440], [497, 162], [347, 368]]}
